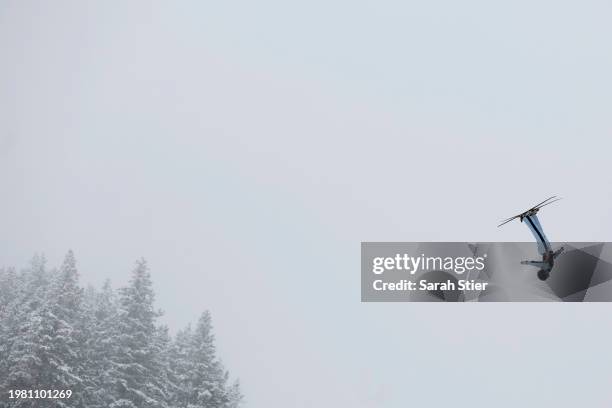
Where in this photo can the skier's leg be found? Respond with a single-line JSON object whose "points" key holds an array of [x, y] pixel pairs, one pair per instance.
{"points": [[536, 222], [536, 229], [537, 264]]}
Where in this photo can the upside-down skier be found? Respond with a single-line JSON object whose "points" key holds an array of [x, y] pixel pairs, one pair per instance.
{"points": [[530, 218]]}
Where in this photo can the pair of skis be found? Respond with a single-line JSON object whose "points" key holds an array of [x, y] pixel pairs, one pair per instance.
{"points": [[533, 210]]}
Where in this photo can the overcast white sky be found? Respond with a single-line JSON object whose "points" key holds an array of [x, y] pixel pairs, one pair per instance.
{"points": [[247, 148]]}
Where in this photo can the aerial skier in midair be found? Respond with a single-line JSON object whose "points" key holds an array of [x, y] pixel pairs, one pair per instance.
{"points": [[544, 248]]}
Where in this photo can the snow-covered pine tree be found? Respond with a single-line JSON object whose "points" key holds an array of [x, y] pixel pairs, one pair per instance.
{"points": [[206, 377], [167, 379], [24, 325], [86, 326], [9, 292], [179, 365], [235, 397], [136, 357], [100, 343], [62, 337]]}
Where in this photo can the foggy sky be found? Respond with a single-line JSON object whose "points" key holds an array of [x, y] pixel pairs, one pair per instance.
{"points": [[245, 149]]}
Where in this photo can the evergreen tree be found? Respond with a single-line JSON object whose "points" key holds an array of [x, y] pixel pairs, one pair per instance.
{"points": [[235, 397], [208, 376], [62, 352], [27, 329], [136, 356], [167, 381], [201, 373], [179, 366], [9, 292], [99, 346]]}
